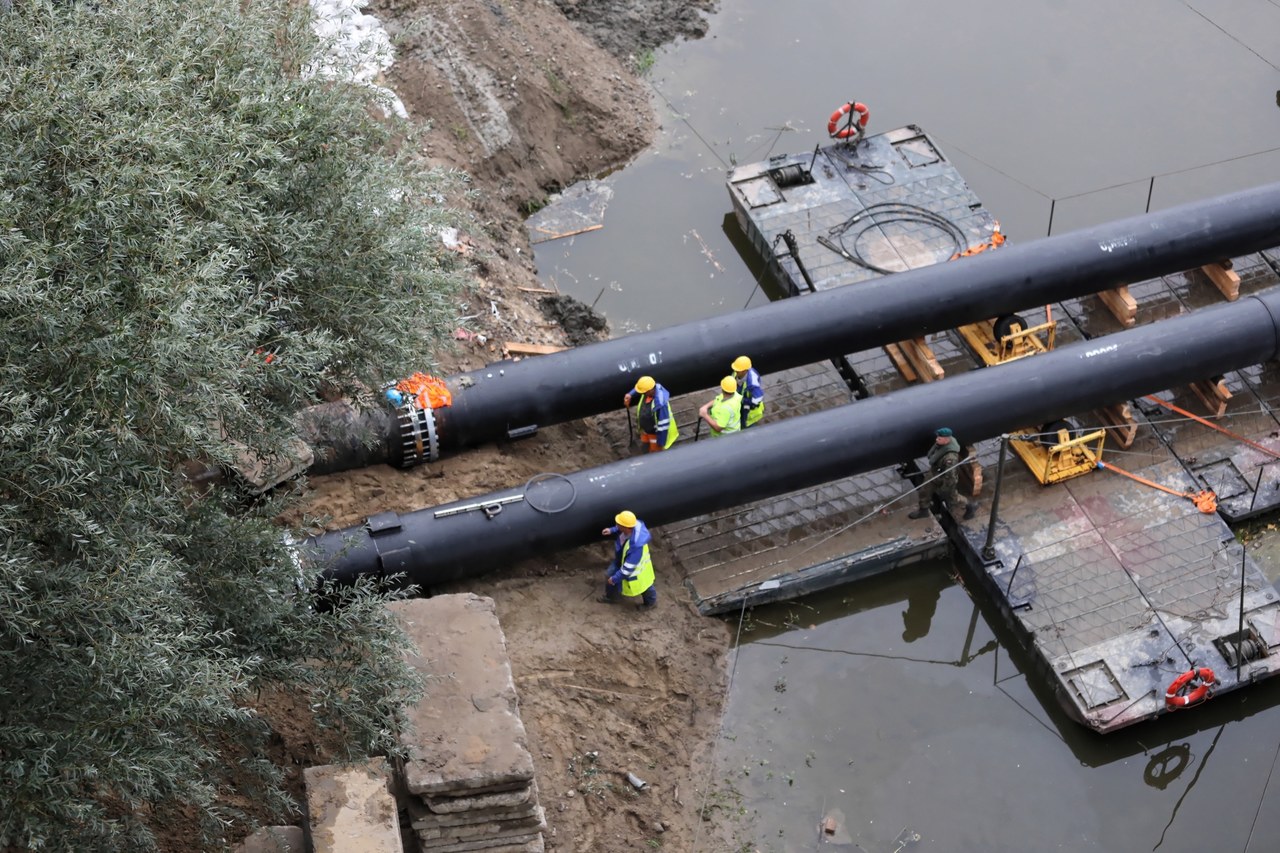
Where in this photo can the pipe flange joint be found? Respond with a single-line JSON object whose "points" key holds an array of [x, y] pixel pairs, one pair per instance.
{"points": [[418, 440]]}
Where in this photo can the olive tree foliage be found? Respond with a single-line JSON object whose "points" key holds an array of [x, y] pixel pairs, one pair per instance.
{"points": [[177, 202]]}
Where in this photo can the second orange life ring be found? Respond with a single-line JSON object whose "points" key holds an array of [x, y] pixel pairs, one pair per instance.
{"points": [[1190, 688], [855, 127]]}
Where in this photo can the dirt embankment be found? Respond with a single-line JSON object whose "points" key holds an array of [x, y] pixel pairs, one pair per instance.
{"points": [[519, 96]]}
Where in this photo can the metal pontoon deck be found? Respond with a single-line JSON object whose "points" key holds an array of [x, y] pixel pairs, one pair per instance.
{"points": [[1114, 587]]}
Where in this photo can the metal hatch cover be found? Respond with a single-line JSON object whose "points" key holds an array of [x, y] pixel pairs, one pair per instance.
{"points": [[759, 191], [917, 151], [1094, 685]]}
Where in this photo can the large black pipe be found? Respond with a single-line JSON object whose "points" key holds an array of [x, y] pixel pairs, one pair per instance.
{"points": [[511, 397], [432, 546]]}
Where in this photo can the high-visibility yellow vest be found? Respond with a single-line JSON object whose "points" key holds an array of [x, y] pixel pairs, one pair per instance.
{"points": [[644, 571], [673, 431], [728, 411]]}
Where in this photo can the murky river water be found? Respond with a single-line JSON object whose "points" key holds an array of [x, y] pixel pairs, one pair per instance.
{"points": [[894, 705]]}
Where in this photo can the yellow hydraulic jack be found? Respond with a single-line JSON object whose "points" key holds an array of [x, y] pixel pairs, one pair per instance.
{"points": [[1009, 337], [1053, 455]]}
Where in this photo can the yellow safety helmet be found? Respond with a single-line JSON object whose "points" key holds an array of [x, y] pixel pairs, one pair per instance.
{"points": [[626, 518], [729, 385], [645, 384], [741, 363]]}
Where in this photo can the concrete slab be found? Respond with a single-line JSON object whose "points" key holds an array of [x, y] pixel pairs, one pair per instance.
{"points": [[490, 800], [352, 810], [275, 839], [422, 817], [467, 735], [484, 844], [536, 822], [534, 845]]}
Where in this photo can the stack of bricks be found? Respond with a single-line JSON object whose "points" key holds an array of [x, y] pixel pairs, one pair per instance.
{"points": [[468, 776]]}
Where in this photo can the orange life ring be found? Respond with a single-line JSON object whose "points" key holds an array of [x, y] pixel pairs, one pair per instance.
{"points": [[854, 128], [1190, 688]]}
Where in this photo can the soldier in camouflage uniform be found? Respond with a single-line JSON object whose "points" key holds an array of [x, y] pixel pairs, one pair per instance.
{"points": [[944, 474]]}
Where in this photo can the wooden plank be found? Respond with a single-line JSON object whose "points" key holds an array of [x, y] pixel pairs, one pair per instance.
{"points": [[1224, 278], [900, 361], [514, 348], [1120, 425], [539, 290], [922, 359], [1122, 306], [1214, 396], [552, 235]]}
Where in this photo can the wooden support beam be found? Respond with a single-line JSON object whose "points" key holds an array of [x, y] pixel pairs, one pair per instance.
{"points": [[1214, 396], [1224, 278], [924, 361], [539, 290], [513, 348], [1120, 425], [915, 361], [1122, 306], [554, 235], [900, 361]]}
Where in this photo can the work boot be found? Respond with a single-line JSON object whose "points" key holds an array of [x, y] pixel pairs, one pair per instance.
{"points": [[604, 599], [918, 513], [970, 511]]}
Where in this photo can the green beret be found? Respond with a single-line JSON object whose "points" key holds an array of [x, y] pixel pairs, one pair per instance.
{"points": [[946, 432]]}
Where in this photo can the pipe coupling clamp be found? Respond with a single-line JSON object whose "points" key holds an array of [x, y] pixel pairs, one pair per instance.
{"points": [[418, 440]]}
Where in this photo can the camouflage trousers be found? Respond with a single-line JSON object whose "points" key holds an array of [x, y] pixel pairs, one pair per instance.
{"points": [[946, 489]]}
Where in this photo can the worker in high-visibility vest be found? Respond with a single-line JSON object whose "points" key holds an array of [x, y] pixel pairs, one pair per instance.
{"points": [[631, 572], [654, 420], [750, 389], [944, 476], [723, 413]]}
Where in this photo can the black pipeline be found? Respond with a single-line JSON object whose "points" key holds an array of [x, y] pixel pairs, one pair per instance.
{"points": [[467, 538], [508, 398]]}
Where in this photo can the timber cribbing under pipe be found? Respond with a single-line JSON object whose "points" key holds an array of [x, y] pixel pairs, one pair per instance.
{"points": [[512, 398], [429, 547]]}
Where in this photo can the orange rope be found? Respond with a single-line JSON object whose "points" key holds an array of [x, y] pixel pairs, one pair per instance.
{"points": [[996, 241], [1206, 501], [1211, 425]]}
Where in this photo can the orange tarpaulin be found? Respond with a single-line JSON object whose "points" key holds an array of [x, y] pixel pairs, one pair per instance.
{"points": [[427, 391], [996, 241]]}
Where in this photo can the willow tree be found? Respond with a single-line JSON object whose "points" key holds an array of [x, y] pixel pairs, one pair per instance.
{"points": [[195, 235]]}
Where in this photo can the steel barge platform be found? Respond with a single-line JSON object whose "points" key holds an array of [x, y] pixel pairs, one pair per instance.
{"points": [[1114, 587]]}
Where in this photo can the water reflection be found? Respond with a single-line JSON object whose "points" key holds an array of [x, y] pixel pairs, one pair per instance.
{"points": [[922, 603], [1165, 766], [830, 713]]}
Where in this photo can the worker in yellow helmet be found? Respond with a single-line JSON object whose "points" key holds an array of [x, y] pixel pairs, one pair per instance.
{"points": [[723, 413], [631, 572], [657, 427], [750, 390]]}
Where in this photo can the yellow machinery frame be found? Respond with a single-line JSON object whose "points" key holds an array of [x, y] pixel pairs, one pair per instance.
{"points": [[1070, 457], [982, 340]]}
